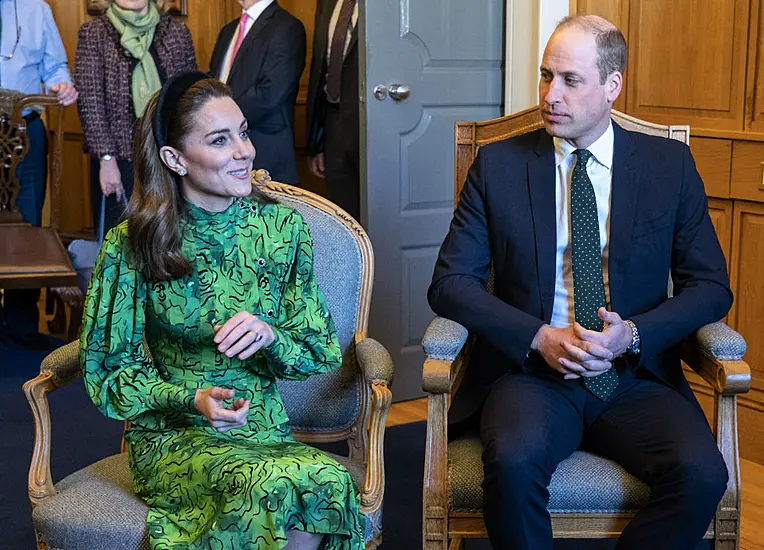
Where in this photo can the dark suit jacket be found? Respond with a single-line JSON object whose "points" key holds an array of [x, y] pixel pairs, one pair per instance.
{"points": [[659, 223], [264, 79], [317, 104]]}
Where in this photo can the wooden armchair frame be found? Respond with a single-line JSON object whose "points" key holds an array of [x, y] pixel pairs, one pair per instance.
{"points": [[444, 529], [365, 436], [46, 263]]}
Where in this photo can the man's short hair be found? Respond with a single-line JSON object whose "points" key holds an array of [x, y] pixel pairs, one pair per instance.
{"points": [[612, 52]]}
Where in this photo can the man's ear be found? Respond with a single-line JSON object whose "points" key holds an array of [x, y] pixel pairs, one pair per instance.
{"points": [[613, 86], [173, 159]]}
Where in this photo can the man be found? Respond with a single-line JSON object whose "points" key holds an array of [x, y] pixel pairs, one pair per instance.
{"points": [[31, 54], [332, 123], [582, 222], [261, 57]]}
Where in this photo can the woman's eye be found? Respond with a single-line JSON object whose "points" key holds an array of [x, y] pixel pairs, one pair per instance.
{"points": [[219, 140], [244, 134]]}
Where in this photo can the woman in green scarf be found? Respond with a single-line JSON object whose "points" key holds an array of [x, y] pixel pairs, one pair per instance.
{"points": [[123, 57]]}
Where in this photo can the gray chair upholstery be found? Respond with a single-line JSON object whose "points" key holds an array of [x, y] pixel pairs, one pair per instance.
{"points": [[97, 508]]}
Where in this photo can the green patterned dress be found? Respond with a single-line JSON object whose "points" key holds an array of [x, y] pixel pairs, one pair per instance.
{"points": [[245, 488]]}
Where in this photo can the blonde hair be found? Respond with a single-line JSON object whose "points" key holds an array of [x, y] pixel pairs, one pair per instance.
{"points": [[99, 6]]}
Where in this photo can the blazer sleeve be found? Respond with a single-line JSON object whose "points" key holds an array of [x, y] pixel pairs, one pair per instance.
{"points": [[702, 291], [282, 67], [458, 290], [188, 53], [89, 80]]}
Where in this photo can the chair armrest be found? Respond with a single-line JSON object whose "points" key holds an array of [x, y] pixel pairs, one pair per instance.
{"points": [[375, 361], [716, 352], [58, 369], [444, 339], [377, 367], [63, 364]]}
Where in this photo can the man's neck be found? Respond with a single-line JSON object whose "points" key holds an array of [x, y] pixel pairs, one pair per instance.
{"points": [[246, 4]]}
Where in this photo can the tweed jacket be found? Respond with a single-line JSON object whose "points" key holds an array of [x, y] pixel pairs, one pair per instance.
{"points": [[103, 72]]}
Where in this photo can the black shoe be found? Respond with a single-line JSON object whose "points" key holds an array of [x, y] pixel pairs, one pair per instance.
{"points": [[35, 341]]}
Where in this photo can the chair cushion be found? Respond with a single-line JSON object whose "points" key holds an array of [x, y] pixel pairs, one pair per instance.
{"points": [[338, 268], [97, 508], [583, 483]]}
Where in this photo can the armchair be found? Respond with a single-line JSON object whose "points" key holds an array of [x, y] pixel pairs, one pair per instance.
{"points": [[96, 507], [582, 505]]}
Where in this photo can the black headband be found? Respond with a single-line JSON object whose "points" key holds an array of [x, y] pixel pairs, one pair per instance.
{"points": [[169, 96]]}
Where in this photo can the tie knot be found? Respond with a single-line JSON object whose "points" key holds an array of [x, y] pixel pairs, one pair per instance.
{"points": [[583, 156], [243, 19]]}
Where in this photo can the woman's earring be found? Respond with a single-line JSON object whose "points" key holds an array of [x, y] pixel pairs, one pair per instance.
{"points": [[181, 171]]}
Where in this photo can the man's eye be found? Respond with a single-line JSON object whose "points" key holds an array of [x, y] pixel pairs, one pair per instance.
{"points": [[571, 81]]}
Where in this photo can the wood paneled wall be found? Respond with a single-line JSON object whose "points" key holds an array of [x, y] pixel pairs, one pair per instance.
{"points": [[700, 63], [205, 19]]}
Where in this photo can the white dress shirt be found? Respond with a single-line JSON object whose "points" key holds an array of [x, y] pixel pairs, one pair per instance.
{"points": [[253, 12], [600, 170]]}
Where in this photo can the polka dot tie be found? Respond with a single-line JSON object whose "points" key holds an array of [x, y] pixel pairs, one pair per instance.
{"points": [[588, 285]]}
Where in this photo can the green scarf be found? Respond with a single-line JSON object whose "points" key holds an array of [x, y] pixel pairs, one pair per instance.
{"points": [[136, 35]]}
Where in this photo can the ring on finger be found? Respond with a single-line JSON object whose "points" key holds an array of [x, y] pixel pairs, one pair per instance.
{"points": [[258, 337]]}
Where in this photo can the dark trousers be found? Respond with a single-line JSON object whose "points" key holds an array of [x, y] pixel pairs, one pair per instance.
{"points": [[341, 158], [19, 314], [533, 420], [114, 207]]}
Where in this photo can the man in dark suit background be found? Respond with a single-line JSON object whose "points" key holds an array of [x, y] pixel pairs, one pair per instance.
{"points": [[261, 57], [332, 123], [579, 344]]}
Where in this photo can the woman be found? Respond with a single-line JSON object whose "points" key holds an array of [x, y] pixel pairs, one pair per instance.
{"points": [[217, 279], [123, 57]]}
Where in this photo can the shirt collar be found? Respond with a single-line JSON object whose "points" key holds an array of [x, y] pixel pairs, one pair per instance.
{"points": [[256, 10], [601, 150]]}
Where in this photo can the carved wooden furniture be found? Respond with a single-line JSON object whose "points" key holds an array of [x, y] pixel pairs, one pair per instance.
{"points": [[97, 508], [582, 506], [30, 257]]}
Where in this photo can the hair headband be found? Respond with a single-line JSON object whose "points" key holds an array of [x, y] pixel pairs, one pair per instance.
{"points": [[169, 96]]}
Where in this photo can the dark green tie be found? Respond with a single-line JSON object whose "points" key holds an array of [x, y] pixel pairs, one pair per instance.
{"points": [[588, 284]]}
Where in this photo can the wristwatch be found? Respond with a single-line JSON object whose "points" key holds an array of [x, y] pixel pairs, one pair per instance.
{"points": [[107, 156], [636, 340]]}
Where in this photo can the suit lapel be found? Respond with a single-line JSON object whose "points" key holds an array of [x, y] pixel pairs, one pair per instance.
{"points": [[623, 206], [252, 36], [541, 181], [221, 47]]}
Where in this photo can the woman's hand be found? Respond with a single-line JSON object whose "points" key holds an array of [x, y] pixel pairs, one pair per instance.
{"points": [[243, 335], [209, 402], [111, 179]]}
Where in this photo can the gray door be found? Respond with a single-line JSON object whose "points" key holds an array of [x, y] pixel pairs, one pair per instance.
{"points": [[449, 55]]}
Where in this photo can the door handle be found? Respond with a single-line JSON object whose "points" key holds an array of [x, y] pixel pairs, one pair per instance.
{"points": [[399, 92]]}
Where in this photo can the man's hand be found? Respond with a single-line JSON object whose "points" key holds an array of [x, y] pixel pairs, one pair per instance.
{"points": [[615, 337], [243, 335], [316, 165], [65, 93], [570, 355], [209, 402]]}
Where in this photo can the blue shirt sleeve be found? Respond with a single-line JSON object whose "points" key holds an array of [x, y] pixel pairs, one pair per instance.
{"points": [[53, 68]]}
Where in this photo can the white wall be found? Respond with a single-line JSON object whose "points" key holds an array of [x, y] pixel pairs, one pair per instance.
{"points": [[529, 25]]}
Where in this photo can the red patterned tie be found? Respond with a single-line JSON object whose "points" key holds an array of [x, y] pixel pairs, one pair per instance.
{"points": [[337, 55]]}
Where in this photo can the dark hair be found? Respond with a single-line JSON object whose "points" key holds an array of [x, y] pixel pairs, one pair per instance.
{"points": [[612, 52], [156, 206]]}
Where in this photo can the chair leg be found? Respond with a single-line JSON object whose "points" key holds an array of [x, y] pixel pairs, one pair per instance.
{"points": [[456, 543]]}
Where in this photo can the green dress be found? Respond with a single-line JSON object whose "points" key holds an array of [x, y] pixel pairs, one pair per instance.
{"points": [[245, 488]]}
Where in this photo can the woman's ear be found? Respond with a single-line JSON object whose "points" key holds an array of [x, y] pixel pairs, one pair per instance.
{"points": [[173, 159]]}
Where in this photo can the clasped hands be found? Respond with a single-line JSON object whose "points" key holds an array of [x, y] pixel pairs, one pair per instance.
{"points": [[242, 335], [576, 351]]}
